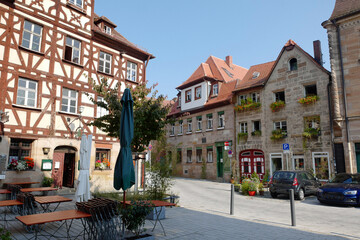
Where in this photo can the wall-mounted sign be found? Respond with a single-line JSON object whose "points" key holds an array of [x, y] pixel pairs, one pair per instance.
{"points": [[57, 165], [46, 165]]}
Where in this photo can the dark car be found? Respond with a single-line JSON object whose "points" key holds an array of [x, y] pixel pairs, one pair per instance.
{"points": [[343, 189], [302, 182]]}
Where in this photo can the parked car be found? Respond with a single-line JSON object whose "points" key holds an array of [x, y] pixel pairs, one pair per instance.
{"points": [[302, 182], [343, 189]]}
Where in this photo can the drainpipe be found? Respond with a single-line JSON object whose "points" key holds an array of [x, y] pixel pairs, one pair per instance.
{"points": [[331, 123], [343, 91]]}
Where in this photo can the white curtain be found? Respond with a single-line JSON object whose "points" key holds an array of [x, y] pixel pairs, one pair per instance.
{"points": [[83, 188]]}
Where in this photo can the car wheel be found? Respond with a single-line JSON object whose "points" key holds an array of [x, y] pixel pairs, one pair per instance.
{"points": [[273, 195], [301, 194]]}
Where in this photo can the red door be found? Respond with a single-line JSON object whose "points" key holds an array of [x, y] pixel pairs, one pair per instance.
{"points": [[58, 168], [251, 161]]}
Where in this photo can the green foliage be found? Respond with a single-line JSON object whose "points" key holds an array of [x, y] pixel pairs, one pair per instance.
{"points": [[311, 133], [308, 100], [275, 106], [47, 181], [245, 186], [266, 177], [134, 215], [4, 234], [252, 186], [256, 133], [247, 105], [261, 187], [242, 136], [149, 113], [278, 134], [203, 169], [254, 175]]}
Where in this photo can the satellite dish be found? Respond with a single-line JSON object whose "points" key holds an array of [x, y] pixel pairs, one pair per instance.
{"points": [[72, 127]]}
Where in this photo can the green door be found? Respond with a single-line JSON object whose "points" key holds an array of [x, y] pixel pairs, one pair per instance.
{"points": [[220, 162], [357, 150]]}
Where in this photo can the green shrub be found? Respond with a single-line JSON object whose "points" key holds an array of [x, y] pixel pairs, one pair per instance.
{"points": [[134, 215], [4, 234], [254, 175], [47, 181], [245, 186], [266, 177], [253, 186]]}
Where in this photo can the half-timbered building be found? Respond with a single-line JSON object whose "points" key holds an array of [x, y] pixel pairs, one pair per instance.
{"points": [[50, 52]]}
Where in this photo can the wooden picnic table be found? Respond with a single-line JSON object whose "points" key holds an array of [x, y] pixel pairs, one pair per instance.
{"points": [[8, 203], [39, 189], [45, 201], [21, 183], [155, 204], [4, 191]]}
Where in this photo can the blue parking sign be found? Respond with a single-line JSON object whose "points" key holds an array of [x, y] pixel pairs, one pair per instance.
{"points": [[286, 146]]}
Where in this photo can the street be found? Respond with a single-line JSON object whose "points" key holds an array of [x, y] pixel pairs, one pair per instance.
{"points": [[214, 197]]}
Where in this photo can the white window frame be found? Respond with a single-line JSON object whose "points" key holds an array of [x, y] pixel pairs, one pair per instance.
{"points": [[189, 128], [243, 127], [131, 71], [103, 61], [321, 154], [209, 122], [100, 111], [188, 160], [172, 129], [276, 155], [107, 29], [253, 125], [255, 97], [298, 157], [280, 125], [210, 156], [76, 3], [278, 99], [73, 49], [215, 89], [199, 124], [69, 98], [188, 95], [242, 97], [198, 92], [221, 119], [181, 128], [32, 35], [198, 158], [28, 91]]}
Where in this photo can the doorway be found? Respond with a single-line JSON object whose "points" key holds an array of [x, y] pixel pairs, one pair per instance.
{"points": [[63, 171], [251, 161], [276, 160], [339, 157], [220, 162], [357, 152]]}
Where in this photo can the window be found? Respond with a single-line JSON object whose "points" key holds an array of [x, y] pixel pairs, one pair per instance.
{"points": [[228, 73], [280, 125], [188, 156], [178, 155], [197, 93], [298, 162], [198, 155], [189, 123], [172, 129], [179, 101], [310, 90], [188, 96], [243, 127], [221, 120], [78, 3], [293, 64], [72, 50], [180, 127], [242, 99], [31, 36], [255, 75], [105, 62], [279, 96], [312, 122], [255, 97], [19, 149], [27, 92], [131, 71], [209, 121], [101, 111], [321, 164], [215, 89], [107, 29], [69, 100], [102, 159], [209, 155], [256, 126], [199, 123]]}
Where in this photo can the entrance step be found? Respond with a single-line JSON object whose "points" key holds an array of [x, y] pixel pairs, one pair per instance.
{"points": [[66, 191]]}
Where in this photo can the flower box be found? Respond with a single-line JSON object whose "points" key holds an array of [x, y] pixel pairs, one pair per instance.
{"points": [[308, 100], [248, 106], [311, 133], [278, 134], [276, 106]]}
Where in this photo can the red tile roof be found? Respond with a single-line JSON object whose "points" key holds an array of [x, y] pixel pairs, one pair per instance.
{"points": [[225, 93], [249, 81], [345, 7], [105, 19], [217, 69]]}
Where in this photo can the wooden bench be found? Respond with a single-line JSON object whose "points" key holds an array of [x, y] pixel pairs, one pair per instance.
{"points": [[9, 203], [42, 218]]}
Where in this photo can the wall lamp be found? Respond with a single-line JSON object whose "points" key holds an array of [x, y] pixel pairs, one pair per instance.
{"points": [[46, 150]]}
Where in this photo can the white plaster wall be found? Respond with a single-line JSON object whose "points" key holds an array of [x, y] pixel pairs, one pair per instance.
{"points": [[194, 103]]}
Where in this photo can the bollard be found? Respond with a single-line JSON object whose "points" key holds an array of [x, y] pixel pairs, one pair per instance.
{"points": [[232, 200], [292, 207]]}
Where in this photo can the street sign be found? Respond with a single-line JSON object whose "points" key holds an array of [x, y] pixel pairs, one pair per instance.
{"points": [[226, 144], [150, 147], [230, 152], [286, 148]]}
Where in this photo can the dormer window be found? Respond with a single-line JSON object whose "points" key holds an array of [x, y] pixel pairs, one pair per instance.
{"points": [[197, 93], [255, 75], [293, 64], [107, 29], [215, 89], [188, 96], [78, 3]]}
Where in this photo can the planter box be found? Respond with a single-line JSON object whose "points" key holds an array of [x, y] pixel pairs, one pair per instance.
{"points": [[152, 214]]}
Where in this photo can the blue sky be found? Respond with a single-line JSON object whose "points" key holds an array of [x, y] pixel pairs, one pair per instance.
{"points": [[183, 34]]}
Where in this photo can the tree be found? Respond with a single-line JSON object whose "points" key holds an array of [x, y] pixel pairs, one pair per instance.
{"points": [[149, 112]]}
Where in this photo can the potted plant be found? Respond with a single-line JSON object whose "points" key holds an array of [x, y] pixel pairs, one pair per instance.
{"points": [[47, 182], [252, 188], [261, 189], [247, 105], [237, 187], [308, 100], [275, 106], [256, 133], [311, 133], [242, 136], [245, 186], [278, 134], [133, 217]]}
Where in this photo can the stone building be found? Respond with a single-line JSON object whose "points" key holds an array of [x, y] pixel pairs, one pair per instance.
{"points": [[343, 28], [284, 102], [48, 49], [204, 117]]}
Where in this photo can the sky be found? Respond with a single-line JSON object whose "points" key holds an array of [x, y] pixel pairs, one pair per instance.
{"points": [[183, 34]]}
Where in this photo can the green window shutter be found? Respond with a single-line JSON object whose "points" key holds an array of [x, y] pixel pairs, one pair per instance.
{"points": [[209, 115], [189, 149], [219, 144], [198, 117], [179, 149], [198, 148], [221, 112], [180, 121], [189, 120], [209, 147]]}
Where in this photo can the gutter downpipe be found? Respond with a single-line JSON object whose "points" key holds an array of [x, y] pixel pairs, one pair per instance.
{"points": [[343, 91], [331, 123]]}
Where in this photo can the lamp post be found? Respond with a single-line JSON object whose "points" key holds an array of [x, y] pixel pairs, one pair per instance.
{"points": [[138, 156]]}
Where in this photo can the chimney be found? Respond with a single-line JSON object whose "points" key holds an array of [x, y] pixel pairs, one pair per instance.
{"points": [[229, 61], [317, 52]]}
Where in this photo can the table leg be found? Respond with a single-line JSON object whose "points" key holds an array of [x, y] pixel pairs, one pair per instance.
{"points": [[157, 213]]}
